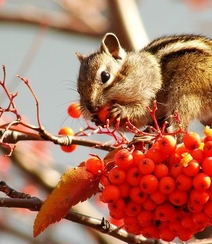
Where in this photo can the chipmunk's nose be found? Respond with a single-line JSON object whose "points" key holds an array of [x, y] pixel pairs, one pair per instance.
{"points": [[91, 107]]}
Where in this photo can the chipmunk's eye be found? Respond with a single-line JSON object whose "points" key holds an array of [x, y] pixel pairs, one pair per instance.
{"points": [[105, 76]]}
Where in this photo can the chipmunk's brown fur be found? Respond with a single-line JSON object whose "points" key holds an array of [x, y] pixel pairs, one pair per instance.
{"points": [[174, 70]]}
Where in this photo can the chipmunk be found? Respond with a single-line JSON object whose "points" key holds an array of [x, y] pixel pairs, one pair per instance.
{"points": [[176, 71]]}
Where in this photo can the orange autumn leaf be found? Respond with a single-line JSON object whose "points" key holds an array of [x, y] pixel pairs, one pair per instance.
{"points": [[76, 185]]}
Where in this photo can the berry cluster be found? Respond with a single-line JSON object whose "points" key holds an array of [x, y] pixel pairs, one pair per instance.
{"points": [[164, 192]]}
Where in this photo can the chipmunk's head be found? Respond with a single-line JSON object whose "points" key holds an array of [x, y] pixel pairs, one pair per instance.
{"points": [[97, 73], [125, 83]]}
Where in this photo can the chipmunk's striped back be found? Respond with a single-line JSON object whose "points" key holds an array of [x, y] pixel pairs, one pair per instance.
{"points": [[178, 45]]}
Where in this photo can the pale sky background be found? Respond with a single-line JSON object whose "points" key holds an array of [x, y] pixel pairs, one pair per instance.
{"points": [[55, 67]]}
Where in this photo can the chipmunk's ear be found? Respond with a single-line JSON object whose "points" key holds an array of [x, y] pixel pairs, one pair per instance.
{"points": [[110, 44], [80, 56]]}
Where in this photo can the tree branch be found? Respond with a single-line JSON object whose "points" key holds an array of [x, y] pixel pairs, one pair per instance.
{"points": [[102, 225], [55, 19], [127, 23], [14, 136]]}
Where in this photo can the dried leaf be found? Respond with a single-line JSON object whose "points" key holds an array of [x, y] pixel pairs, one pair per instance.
{"points": [[76, 185]]}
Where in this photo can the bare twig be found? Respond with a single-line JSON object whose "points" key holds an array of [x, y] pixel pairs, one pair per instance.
{"points": [[11, 106], [26, 81]]}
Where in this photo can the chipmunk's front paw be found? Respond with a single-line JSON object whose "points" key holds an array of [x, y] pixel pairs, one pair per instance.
{"points": [[117, 111], [110, 113]]}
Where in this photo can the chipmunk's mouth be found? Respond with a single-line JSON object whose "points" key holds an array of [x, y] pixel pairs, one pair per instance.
{"points": [[90, 107]]}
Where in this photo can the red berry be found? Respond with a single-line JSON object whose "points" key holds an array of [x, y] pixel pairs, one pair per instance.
{"points": [[104, 180], [199, 197], [134, 229], [200, 219], [158, 197], [193, 207], [192, 140], [94, 165], [207, 138], [149, 183], [137, 157], [117, 222], [161, 170], [164, 212], [133, 176], [188, 222], [192, 168], [123, 159], [167, 144], [74, 110], [185, 235], [132, 208], [129, 220], [207, 165], [137, 195], [198, 155], [117, 216], [155, 154], [70, 132], [207, 149], [178, 197], [176, 226], [117, 175], [146, 166], [149, 204], [145, 217], [117, 206], [166, 185], [110, 193], [167, 235], [124, 189], [103, 114], [201, 182], [150, 231], [176, 169], [184, 182], [66, 131], [208, 208]]}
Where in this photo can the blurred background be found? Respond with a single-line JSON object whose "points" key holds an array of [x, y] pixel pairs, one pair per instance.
{"points": [[38, 40]]}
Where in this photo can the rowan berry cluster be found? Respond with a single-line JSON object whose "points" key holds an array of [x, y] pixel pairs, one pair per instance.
{"points": [[165, 192]]}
